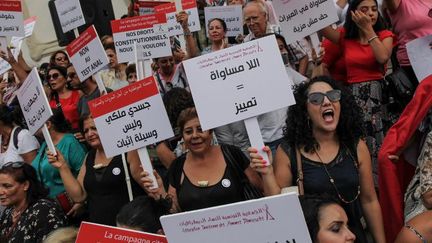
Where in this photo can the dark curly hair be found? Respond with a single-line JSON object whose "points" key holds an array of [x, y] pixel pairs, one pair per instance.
{"points": [[59, 121], [352, 30], [53, 57], [176, 100], [298, 132]]}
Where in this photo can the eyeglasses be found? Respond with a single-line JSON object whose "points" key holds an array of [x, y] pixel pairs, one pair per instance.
{"points": [[59, 59], [53, 76], [317, 98], [15, 165], [71, 75], [252, 19]]}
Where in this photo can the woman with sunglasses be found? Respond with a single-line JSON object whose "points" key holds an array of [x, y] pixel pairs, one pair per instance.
{"points": [[62, 96], [324, 129], [29, 216], [59, 58]]}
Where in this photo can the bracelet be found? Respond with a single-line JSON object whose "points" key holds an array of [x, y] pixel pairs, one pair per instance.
{"points": [[187, 33], [372, 38]]}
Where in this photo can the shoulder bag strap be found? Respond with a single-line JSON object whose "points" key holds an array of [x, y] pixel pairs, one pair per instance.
{"points": [[299, 172]]}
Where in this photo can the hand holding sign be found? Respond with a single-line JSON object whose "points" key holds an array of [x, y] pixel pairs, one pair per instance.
{"points": [[153, 185], [182, 18]]}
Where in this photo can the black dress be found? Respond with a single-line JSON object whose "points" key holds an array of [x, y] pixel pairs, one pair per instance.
{"points": [[343, 169], [106, 189]]}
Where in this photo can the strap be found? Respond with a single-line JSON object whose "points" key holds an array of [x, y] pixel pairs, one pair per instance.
{"points": [[15, 136], [127, 177], [299, 172], [160, 83]]}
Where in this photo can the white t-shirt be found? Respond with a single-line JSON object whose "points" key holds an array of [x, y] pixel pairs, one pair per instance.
{"points": [[26, 143]]}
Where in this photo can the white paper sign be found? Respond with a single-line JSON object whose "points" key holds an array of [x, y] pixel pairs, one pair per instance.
{"points": [[131, 118], [420, 55], [300, 18], [149, 32], [87, 54], [174, 28], [70, 14], [232, 15], [239, 82], [271, 219], [3, 45], [11, 18], [34, 102]]}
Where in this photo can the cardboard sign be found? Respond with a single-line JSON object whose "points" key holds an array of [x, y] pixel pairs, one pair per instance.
{"points": [[420, 55], [34, 102], [148, 32], [131, 118], [91, 232], [16, 43], [11, 18], [70, 14], [299, 18], [232, 15], [234, 84], [87, 54], [271, 219], [174, 28]]}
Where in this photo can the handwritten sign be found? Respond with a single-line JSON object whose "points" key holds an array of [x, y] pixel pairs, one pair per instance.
{"points": [[420, 55], [34, 102], [131, 117], [87, 54], [232, 15], [174, 28], [91, 232], [70, 14], [148, 32], [241, 74], [271, 219], [299, 18], [11, 18]]}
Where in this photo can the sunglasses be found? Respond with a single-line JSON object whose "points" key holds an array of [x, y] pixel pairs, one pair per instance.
{"points": [[71, 75], [317, 98], [54, 76], [15, 165], [59, 59]]}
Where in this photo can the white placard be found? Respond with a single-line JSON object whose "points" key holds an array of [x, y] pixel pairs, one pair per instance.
{"points": [[131, 118], [3, 45], [148, 32], [232, 15], [174, 28], [271, 219], [420, 55], [34, 102], [87, 54], [11, 18], [70, 14], [300, 18], [239, 82]]}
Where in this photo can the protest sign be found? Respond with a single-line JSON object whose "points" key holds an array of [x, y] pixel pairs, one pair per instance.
{"points": [[11, 18], [232, 15], [131, 117], [241, 74], [299, 18], [91, 232], [33, 102], [87, 54], [147, 7], [169, 9], [148, 32], [271, 219], [420, 55], [70, 14], [3, 45]]}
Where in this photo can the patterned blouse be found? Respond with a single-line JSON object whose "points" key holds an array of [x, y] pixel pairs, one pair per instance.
{"points": [[35, 223]]}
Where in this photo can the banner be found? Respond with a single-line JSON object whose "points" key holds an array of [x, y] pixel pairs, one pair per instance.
{"points": [[131, 118], [91, 232], [34, 102], [70, 14], [300, 18], [11, 18], [234, 83], [148, 32], [270, 219], [232, 15], [420, 55], [169, 9], [87, 54], [147, 7]]}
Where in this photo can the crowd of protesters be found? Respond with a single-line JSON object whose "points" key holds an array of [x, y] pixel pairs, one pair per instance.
{"points": [[363, 169]]}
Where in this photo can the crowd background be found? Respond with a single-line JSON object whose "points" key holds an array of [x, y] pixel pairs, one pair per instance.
{"points": [[351, 135]]}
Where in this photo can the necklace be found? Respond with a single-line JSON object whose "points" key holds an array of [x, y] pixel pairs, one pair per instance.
{"points": [[203, 183], [332, 181]]}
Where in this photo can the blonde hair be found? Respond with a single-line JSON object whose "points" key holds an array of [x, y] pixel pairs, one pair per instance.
{"points": [[62, 235]]}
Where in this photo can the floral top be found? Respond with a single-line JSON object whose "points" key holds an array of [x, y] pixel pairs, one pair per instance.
{"points": [[35, 223]]}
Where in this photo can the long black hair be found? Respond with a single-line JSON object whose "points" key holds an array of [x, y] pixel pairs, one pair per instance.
{"points": [[352, 30], [298, 131]]}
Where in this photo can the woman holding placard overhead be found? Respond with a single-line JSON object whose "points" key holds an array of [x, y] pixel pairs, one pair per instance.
{"points": [[206, 176], [367, 46], [323, 151]]}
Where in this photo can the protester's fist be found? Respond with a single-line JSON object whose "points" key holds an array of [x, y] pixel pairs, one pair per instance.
{"points": [[182, 18]]}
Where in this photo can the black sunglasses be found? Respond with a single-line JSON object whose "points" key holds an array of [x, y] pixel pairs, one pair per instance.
{"points": [[71, 75], [15, 165], [317, 98], [54, 76]]}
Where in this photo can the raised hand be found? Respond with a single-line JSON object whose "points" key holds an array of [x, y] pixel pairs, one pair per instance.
{"points": [[57, 161], [258, 163]]}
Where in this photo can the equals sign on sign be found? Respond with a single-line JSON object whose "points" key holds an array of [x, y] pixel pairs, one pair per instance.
{"points": [[240, 86]]}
